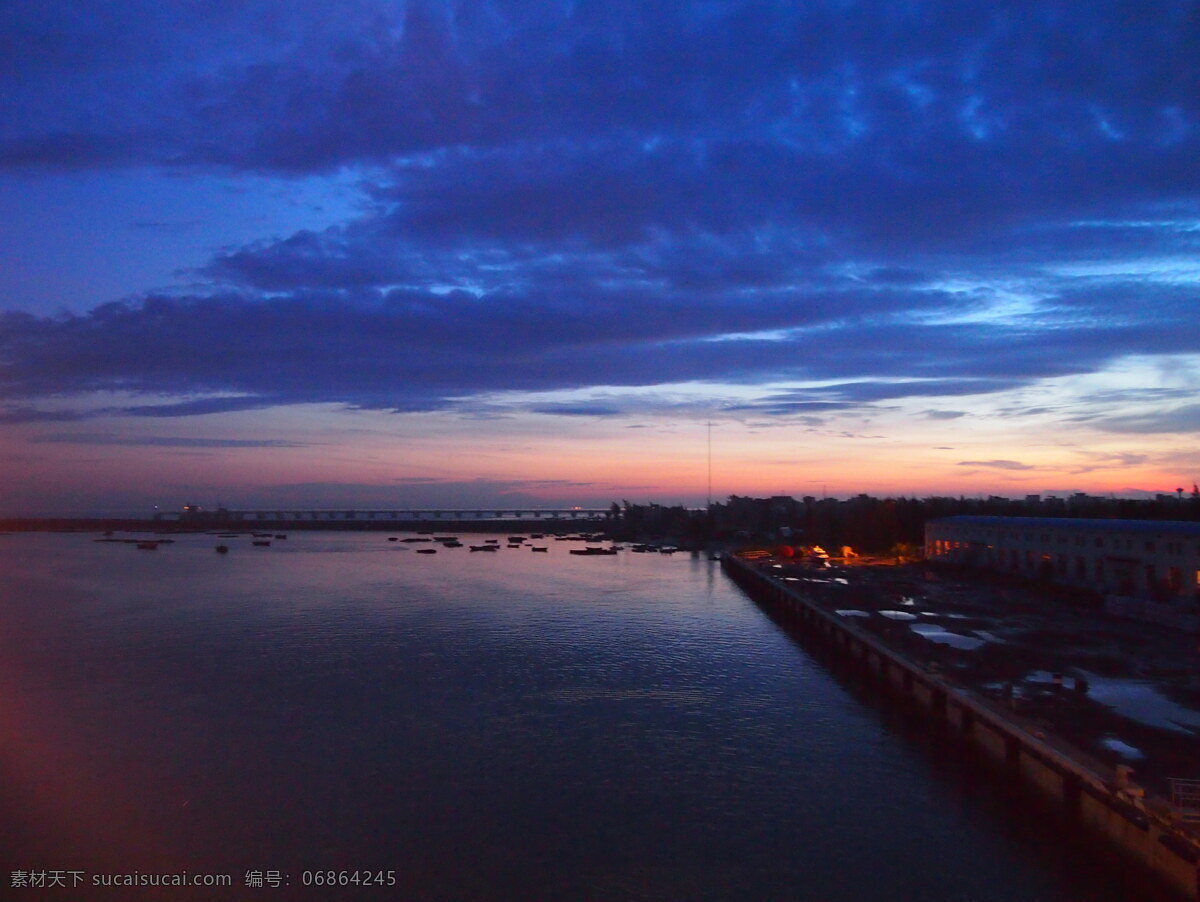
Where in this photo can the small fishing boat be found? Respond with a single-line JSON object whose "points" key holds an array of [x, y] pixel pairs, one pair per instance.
{"points": [[426, 551], [593, 552], [262, 543], [222, 549], [540, 548], [484, 547]]}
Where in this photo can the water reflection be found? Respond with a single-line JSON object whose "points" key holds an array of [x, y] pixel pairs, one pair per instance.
{"points": [[510, 725]]}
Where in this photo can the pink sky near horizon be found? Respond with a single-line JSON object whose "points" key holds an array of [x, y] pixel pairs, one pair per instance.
{"points": [[326, 457]]}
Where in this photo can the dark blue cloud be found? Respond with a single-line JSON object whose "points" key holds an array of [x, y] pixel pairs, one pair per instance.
{"points": [[625, 194], [422, 351], [585, 409], [196, 407], [14, 414], [249, 86]]}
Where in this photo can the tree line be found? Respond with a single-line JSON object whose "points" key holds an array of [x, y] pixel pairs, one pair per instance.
{"points": [[867, 524]]}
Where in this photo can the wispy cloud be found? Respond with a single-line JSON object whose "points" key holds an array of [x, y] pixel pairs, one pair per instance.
{"points": [[945, 414], [162, 441], [996, 464], [1184, 419]]}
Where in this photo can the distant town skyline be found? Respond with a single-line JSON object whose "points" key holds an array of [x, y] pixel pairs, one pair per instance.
{"points": [[463, 254]]}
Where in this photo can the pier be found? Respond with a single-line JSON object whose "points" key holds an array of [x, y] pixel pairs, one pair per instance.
{"points": [[1105, 804], [379, 515]]}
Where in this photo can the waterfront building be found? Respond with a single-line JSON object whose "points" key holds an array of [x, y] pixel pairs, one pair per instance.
{"points": [[1146, 568]]}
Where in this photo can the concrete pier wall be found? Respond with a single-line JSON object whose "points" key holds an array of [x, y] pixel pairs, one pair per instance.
{"points": [[1088, 798]]}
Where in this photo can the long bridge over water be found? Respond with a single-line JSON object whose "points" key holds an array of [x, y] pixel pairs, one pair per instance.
{"points": [[380, 515]]}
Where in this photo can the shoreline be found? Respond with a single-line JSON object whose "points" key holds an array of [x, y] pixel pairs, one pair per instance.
{"points": [[559, 526]]}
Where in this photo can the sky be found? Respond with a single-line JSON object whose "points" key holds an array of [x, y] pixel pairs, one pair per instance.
{"points": [[470, 253]]}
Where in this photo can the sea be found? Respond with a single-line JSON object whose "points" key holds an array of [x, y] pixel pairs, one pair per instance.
{"points": [[336, 716]]}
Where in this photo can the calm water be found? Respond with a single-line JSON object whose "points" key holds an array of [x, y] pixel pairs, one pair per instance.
{"points": [[503, 726]]}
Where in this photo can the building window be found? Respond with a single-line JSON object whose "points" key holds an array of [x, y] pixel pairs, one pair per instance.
{"points": [[1174, 580]]}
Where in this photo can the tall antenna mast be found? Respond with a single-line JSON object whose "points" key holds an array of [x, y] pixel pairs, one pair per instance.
{"points": [[709, 506]]}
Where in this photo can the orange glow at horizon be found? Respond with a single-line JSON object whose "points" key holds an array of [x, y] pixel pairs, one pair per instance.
{"points": [[363, 457]]}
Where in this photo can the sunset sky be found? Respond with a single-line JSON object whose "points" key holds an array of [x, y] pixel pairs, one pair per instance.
{"points": [[454, 254]]}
